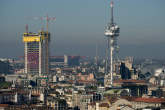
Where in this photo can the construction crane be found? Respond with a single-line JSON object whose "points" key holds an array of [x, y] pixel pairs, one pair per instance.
{"points": [[47, 19], [47, 41]]}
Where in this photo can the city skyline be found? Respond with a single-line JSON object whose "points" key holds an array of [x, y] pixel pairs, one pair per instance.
{"points": [[82, 55], [80, 26]]}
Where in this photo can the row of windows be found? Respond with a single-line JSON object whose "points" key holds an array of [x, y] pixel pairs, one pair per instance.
{"points": [[34, 50], [32, 43], [33, 46]]}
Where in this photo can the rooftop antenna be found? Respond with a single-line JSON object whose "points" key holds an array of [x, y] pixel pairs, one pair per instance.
{"points": [[111, 12]]}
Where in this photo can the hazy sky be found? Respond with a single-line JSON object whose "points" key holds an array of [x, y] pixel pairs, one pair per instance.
{"points": [[79, 26]]}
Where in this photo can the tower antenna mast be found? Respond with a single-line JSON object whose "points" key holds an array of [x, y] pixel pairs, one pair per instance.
{"points": [[111, 12], [111, 32]]}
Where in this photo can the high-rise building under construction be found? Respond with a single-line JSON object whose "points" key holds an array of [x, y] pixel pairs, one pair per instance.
{"points": [[36, 52]]}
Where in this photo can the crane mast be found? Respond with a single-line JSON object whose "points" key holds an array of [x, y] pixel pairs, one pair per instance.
{"points": [[47, 41]]}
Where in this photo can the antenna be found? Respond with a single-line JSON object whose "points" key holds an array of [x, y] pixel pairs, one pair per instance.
{"points": [[111, 12]]}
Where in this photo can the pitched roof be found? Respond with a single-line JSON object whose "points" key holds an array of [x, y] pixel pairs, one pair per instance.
{"points": [[3, 105], [104, 105], [130, 81], [149, 100]]}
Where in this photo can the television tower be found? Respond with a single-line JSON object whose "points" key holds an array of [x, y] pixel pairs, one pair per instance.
{"points": [[112, 33]]}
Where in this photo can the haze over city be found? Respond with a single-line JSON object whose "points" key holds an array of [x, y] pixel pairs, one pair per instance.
{"points": [[82, 55], [79, 26]]}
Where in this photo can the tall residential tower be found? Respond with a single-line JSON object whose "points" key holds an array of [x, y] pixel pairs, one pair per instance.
{"points": [[36, 52]]}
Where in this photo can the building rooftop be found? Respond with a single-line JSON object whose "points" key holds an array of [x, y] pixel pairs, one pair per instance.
{"points": [[4, 105], [149, 100], [145, 99], [130, 81], [104, 105]]}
